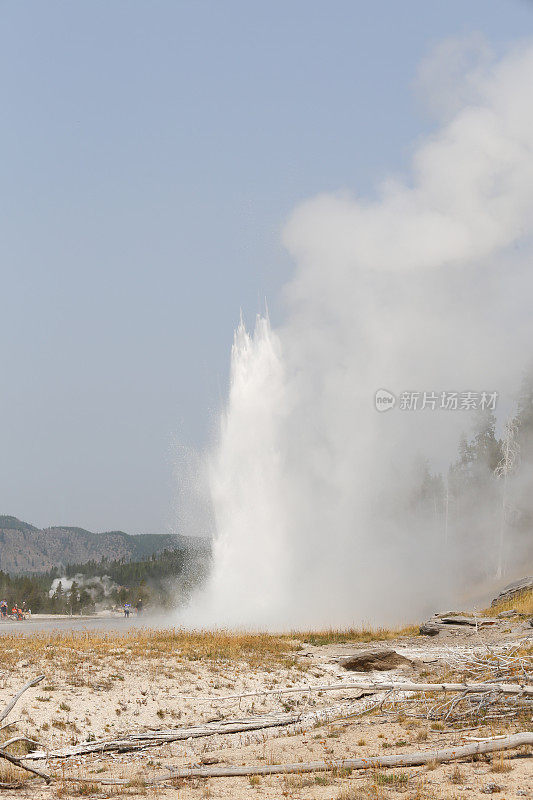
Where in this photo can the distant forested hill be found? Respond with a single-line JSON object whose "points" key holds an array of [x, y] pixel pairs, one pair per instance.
{"points": [[26, 549]]}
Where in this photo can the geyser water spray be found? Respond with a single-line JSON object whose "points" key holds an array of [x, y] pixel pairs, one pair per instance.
{"points": [[425, 289]]}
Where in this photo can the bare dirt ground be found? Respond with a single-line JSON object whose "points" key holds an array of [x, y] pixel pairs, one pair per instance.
{"points": [[102, 684]]}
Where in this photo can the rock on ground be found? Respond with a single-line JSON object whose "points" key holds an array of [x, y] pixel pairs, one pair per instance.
{"points": [[379, 660]]}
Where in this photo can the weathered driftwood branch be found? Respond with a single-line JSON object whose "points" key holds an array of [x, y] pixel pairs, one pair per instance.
{"points": [[264, 692], [20, 739], [377, 686], [379, 762], [118, 781], [141, 740], [12, 703], [501, 688], [13, 759], [18, 763], [9, 724]]}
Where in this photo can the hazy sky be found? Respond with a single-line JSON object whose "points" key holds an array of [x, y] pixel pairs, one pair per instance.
{"points": [[151, 153]]}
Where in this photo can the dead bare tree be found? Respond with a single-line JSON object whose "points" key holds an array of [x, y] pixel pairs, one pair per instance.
{"points": [[401, 760], [506, 465], [3, 714]]}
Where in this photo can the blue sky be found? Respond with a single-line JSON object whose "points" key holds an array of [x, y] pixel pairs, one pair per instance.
{"points": [[151, 153]]}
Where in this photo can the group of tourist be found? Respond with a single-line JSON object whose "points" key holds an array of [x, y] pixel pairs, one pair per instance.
{"points": [[17, 612], [138, 608]]}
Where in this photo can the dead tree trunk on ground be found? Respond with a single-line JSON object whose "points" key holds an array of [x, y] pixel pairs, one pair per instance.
{"points": [[379, 762]]}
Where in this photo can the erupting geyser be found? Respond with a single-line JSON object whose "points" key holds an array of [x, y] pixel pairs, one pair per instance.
{"points": [[246, 479], [315, 495]]}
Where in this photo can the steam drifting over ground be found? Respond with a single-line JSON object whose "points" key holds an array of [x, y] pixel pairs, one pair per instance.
{"points": [[426, 288]]}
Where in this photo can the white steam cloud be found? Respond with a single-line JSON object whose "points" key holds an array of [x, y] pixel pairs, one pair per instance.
{"points": [[96, 586], [426, 288]]}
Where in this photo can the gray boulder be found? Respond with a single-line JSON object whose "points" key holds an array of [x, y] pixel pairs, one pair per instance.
{"points": [[429, 629]]}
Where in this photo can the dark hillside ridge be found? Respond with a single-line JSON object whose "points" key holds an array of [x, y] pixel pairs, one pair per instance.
{"points": [[25, 549]]}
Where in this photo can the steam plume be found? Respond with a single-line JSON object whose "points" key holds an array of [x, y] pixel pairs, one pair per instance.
{"points": [[426, 288]]}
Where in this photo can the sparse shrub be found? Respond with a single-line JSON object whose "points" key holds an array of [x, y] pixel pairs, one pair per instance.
{"points": [[324, 779], [85, 789], [457, 776], [72, 789], [137, 782], [500, 764], [352, 793], [394, 779]]}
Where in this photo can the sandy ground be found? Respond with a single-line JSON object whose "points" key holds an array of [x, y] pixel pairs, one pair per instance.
{"points": [[101, 688]]}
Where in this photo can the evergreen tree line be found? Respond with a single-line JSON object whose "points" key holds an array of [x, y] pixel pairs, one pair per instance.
{"points": [[162, 580]]}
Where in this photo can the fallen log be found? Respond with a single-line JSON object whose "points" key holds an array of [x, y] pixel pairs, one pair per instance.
{"points": [[500, 688], [143, 739], [13, 702], [378, 762], [378, 686], [264, 692]]}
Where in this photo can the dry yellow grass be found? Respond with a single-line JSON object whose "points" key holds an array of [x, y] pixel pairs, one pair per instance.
{"points": [[147, 644], [78, 648], [11, 774], [333, 636]]}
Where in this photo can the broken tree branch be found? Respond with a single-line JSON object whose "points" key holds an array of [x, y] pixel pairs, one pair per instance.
{"points": [[376, 686], [19, 739], [379, 762], [9, 724], [12, 703], [141, 740], [18, 763]]}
